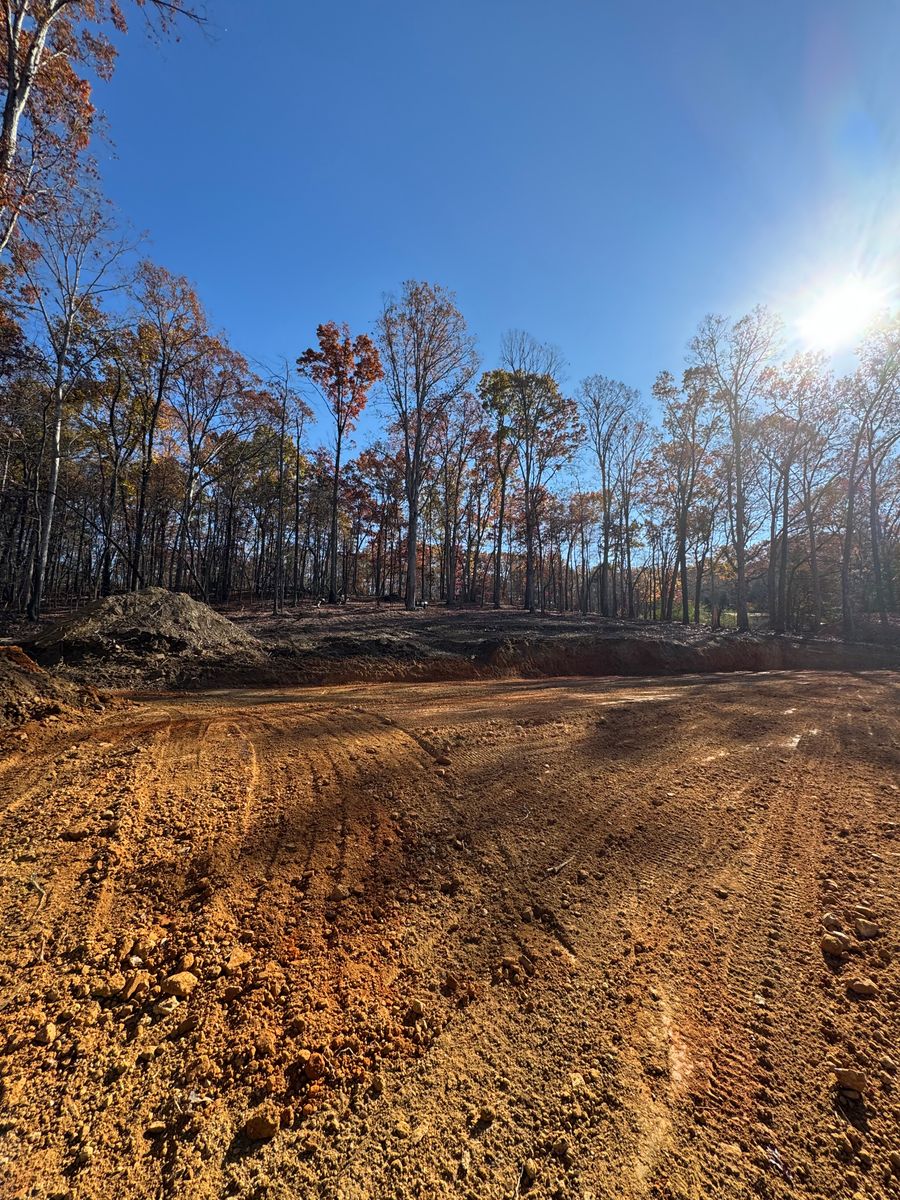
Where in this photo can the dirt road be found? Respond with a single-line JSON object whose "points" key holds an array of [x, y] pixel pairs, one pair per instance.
{"points": [[537, 939]]}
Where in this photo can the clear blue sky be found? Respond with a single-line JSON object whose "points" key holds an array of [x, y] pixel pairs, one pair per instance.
{"points": [[598, 172]]}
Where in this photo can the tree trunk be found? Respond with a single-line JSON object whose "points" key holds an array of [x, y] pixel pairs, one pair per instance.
{"points": [[49, 506]]}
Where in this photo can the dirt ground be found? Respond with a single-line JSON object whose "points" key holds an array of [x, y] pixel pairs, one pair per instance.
{"points": [[558, 938]]}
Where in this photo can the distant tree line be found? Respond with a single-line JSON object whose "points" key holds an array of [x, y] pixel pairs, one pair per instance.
{"points": [[138, 447]]}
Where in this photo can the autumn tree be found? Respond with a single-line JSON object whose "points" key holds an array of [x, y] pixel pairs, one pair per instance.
{"points": [[50, 51], [429, 359], [544, 430], [343, 369], [169, 332]]}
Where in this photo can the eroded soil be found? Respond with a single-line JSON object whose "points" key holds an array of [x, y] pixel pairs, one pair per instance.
{"points": [[483, 939]]}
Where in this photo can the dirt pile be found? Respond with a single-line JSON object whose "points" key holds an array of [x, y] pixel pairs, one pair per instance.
{"points": [[27, 693], [151, 637]]}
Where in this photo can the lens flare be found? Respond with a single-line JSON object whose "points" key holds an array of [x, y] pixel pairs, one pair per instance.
{"points": [[841, 313]]}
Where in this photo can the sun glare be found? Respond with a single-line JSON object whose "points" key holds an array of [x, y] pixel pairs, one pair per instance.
{"points": [[840, 314]]}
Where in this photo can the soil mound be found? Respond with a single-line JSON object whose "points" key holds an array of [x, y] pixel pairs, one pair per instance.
{"points": [[151, 636], [28, 693]]}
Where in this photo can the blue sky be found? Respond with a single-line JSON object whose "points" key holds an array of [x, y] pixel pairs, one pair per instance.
{"points": [[599, 173]]}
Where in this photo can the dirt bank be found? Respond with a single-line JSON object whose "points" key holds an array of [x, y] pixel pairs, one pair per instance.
{"points": [[28, 693], [160, 640], [546, 939]]}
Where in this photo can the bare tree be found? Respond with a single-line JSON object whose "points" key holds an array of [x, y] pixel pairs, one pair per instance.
{"points": [[429, 358], [543, 429], [872, 397], [734, 358], [68, 267], [609, 408]]}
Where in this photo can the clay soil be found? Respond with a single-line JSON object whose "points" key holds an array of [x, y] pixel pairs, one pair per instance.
{"points": [[497, 938]]}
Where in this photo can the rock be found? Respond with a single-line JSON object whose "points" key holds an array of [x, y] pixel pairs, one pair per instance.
{"points": [[530, 1170], [851, 1079], [166, 1007], [75, 834], [416, 1009], [834, 945], [443, 760], [894, 1160], [84, 1155], [262, 1124], [239, 957], [315, 1067], [265, 1045], [105, 989], [866, 929], [155, 1129], [338, 894], [46, 1035], [181, 984], [561, 1147], [864, 988], [136, 984], [486, 1115], [831, 921]]}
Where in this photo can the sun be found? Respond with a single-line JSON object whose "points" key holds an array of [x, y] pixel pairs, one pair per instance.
{"points": [[841, 313]]}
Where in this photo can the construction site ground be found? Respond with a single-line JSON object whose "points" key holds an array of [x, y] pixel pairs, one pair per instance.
{"points": [[581, 938]]}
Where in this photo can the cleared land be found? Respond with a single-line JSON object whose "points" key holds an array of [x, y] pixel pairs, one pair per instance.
{"points": [[557, 938]]}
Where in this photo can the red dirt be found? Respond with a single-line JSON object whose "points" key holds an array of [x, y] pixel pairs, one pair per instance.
{"points": [[579, 934]]}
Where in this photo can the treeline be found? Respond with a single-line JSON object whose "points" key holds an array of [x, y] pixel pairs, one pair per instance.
{"points": [[138, 447]]}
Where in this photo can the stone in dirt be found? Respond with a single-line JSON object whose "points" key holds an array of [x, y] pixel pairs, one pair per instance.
{"points": [[181, 984], [866, 929], [314, 1067], [850, 1078], [338, 894], [46, 1035], [864, 988], [136, 984], [834, 945], [239, 957], [262, 1124]]}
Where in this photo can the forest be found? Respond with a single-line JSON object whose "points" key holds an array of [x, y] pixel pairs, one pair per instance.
{"points": [[140, 447]]}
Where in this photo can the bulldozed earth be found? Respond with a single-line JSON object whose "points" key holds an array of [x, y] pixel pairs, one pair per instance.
{"points": [[488, 937]]}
